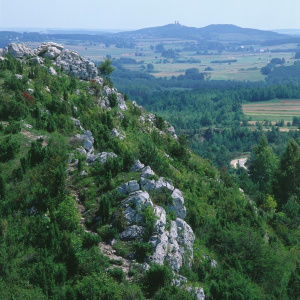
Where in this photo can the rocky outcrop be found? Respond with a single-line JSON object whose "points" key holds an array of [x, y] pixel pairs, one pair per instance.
{"points": [[132, 233], [137, 166], [100, 157], [52, 71], [18, 50], [197, 291], [178, 204], [70, 61], [49, 50], [174, 246], [87, 149], [105, 103], [87, 141], [76, 65], [134, 206], [172, 243], [116, 132], [128, 187], [170, 129]]}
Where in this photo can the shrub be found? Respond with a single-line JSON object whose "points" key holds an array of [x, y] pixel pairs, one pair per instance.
{"points": [[117, 274], [157, 277]]}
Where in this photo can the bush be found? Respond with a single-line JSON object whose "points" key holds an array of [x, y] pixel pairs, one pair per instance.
{"points": [[117, 274], [157, 277], [142, 250], [90, 240], [113, 100], [9, 147]]}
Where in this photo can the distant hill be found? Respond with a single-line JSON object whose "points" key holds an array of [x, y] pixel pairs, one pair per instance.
{"points": [[220, 32]]}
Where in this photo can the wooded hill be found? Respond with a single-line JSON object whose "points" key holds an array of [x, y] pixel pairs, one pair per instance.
{"points": [[81, 218]]}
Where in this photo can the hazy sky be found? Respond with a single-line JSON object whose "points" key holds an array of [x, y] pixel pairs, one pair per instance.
{"points": [[135, 14]]}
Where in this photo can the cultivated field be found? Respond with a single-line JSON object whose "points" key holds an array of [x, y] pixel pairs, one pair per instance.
{"points": [[273, 111], [246, 68]]}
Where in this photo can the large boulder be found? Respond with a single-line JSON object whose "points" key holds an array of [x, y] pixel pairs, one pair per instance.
{"points": [[137, 166], [128, 187], [147, 184], [18, 50], [49, 50], [147, 172], [87, 141]]}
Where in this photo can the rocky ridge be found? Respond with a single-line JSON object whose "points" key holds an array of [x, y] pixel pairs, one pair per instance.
{"points": [[171, 237]]}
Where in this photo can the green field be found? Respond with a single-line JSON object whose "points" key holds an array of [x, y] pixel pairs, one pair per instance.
{"points": [[272, 111]]}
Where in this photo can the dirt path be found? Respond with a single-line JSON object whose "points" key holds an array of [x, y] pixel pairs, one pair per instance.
{"points": [[106, 249], [239, 162]]}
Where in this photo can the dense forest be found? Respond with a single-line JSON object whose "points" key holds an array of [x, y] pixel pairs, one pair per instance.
{"points": [[210, 111], [55, 207]]}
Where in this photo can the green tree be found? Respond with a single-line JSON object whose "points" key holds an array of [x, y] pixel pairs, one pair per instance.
{"points": [[2, 187], [287, 183], [106, 68], [263, 164]]}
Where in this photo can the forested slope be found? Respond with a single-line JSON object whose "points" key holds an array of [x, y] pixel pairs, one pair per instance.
{"points": [[70, 183]]}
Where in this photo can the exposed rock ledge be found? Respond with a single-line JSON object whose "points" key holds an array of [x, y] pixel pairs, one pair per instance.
{"points": [[171, 242]]}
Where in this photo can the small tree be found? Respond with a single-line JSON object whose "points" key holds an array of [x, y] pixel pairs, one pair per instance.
{"points": [[106, 68]]}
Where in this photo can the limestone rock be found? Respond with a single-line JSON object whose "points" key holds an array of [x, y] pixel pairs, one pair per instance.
{"points": [[101, 157], [197, 291], [52, 71], [18, 50], [133, 207], [179, 280], [76, 65], [162, 183], [83, 173], [147, 184], [178, 204], [116, 132], [170, 129], [19, 76], [77, 123], [185, 239], [120, 99], [147, 172], [213, 263], [132, 233], [137, 166], [128, 187], [87, 141], [37, 60], [49, 50]]}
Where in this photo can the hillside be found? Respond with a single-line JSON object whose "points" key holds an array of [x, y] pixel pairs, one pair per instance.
{"points": [[100, 199], [219, 32]]}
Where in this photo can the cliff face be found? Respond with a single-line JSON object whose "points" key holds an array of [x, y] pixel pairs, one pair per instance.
{"points": [[106, 140]]}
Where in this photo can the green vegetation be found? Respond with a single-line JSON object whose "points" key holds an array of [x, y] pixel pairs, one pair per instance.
{"points": [[46, 254]]}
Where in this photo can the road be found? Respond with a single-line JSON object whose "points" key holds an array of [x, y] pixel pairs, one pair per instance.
{"points": [[240, 161]]}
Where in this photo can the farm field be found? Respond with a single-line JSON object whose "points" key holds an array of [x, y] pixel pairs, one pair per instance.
{"points": [[273, 111], [246, 68]]}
